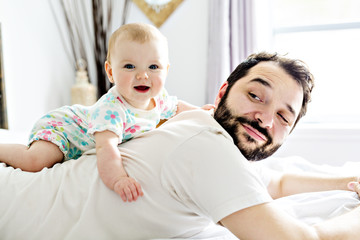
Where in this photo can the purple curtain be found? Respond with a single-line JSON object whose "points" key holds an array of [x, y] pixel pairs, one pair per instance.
{"points": [[231, 40]]}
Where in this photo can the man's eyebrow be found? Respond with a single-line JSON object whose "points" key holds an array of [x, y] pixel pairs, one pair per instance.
{"points": [[291, 109], [261, 81]]}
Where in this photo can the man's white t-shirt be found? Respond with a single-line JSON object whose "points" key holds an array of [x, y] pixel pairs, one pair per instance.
{"points": [[192, 174]]}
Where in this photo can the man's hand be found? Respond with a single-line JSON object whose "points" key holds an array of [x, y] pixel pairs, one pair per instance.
{"points": [[128, 189], [354, 186]]}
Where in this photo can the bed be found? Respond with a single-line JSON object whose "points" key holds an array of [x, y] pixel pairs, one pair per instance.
{"points": [[60, 202]]}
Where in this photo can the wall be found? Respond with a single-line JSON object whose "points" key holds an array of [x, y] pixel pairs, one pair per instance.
{"points": [[38, 75]]}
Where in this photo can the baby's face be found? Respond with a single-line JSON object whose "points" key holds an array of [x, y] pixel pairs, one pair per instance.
{"points": [[139, 70]]}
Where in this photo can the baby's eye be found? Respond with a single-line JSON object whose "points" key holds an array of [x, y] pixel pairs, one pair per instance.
{"points": [[153, 66], [129, 66], [253, 96]]}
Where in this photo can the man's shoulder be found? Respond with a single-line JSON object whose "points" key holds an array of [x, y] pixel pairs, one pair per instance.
{"points": [[197, 118], [193, 122], [197, 128]]}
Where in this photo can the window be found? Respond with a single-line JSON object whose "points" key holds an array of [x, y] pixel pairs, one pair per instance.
{"points": [[326, 35]]}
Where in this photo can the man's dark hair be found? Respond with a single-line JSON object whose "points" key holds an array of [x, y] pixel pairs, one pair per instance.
{"points": [[294, 67]]}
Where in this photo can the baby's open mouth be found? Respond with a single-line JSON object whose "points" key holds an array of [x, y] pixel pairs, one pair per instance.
{"points": [[142, 88]]}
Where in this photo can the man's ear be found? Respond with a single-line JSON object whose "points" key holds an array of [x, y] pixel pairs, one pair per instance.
{"points": [[221, 93], [108, 70]]}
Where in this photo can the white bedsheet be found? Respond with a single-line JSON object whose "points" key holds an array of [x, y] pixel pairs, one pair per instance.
{"points": [[38, 206], [315, 207]]}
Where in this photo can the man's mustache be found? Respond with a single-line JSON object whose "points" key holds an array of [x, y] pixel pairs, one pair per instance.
{"points": [[255, 125]]}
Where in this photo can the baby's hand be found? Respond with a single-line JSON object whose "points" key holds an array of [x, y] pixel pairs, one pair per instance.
{"points": [[208, 107], [128, 189]]}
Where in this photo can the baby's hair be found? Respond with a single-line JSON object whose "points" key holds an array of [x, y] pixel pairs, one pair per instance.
{"points": [[138, 32]]}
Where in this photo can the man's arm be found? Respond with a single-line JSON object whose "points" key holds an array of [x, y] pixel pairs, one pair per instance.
{"points": [[287, 184], [266, 221]]}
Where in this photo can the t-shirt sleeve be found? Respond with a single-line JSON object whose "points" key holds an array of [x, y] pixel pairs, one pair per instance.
{"points": [[210, 175], [166, 104], [106, 116]]}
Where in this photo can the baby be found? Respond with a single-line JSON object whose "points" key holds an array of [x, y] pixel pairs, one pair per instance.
{"points": [[137, 64]]}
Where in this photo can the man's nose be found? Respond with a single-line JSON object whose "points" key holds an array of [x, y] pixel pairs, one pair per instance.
{"points": [[142, 75], [265, 119]]}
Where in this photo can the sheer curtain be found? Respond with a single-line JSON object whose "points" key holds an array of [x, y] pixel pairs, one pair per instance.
{"points": [[231, 39]]}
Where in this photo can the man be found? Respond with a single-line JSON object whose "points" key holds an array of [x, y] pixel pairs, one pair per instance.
{"points": [[262, 112], [193, 173]]}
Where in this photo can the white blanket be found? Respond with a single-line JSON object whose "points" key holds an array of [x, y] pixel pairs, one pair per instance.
{"points": [[315, 207], [61, 202]]}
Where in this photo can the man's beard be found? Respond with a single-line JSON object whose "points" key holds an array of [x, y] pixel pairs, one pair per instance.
{"points": [[249, 148]]}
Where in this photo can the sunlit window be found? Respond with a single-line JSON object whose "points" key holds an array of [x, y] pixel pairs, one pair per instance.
{"points": [[326, 35]]}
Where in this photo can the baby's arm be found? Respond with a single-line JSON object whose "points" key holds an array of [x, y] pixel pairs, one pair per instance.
{"points": [[111, 169], [184, 106]]}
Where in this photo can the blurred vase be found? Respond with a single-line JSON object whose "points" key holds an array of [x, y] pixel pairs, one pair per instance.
{"points": [[83, 92]]}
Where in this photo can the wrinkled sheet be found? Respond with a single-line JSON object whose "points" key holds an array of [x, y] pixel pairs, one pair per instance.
{"points": [[312, 208]]}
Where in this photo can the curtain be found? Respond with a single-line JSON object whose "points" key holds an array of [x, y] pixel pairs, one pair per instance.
{"points": [[87, 26], [3, 110], [231, 39]]}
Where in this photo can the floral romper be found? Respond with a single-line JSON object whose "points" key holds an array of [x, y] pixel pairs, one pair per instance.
{"points": [[72, 128]]}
